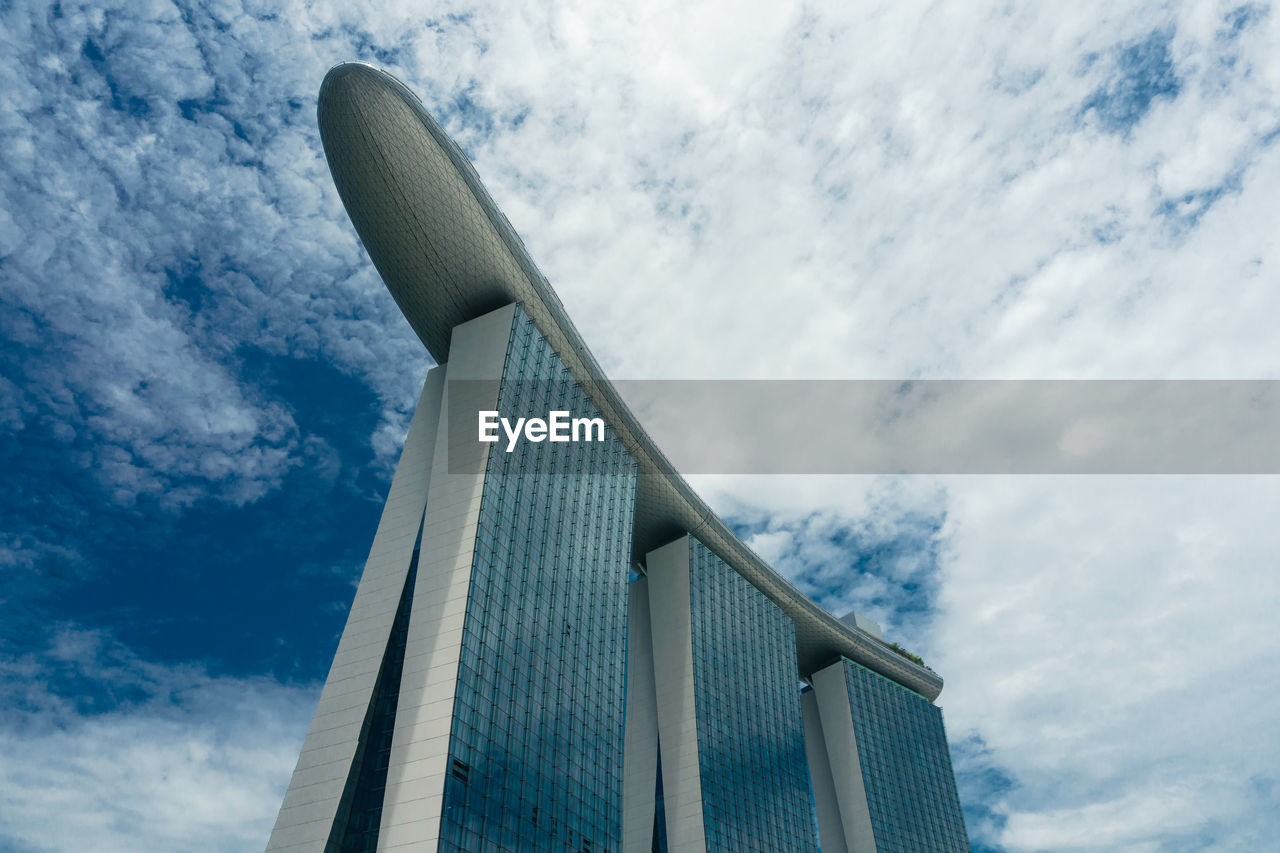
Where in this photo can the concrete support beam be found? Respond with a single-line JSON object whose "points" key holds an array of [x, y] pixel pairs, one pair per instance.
{"points": [[315, 791], [830, 828], [831, 692], [640, 750], [670, 618], [420, 745]]}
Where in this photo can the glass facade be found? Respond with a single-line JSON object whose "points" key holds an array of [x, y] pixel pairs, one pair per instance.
{"points": [[754, 773], [535, 752], [906, 766]]}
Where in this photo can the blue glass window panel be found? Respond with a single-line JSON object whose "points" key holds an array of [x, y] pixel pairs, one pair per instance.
{"points": [[906, 766], [535, 752], [754, 772]]}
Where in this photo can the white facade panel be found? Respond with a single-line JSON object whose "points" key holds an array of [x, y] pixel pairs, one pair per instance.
{"points": [[670, 619], [832, 694], [640, 748], [325, 762], [830, 829], [420, 745]]}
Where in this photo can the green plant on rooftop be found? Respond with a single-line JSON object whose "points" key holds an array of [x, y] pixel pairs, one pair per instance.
{"points": [[911, 656]]}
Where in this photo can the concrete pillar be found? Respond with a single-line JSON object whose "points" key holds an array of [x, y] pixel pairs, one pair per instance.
{"points": [[831, 692], [420, 745], [830, 828], [640, 758], [311, 803], [671, 622]]}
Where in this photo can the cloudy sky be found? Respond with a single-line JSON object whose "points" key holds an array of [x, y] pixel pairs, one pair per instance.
{"points": [[203, 384]]}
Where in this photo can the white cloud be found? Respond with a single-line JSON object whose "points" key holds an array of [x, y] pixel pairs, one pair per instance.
{"points": [[181, 760], [1107, 641], [869, 544], [152, 148], [877, 190], [882, 170], [1108, 638], [912, 192]]}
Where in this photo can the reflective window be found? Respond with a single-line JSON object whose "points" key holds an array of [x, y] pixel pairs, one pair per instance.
{"points": [[535, 755], [755, 776], [906, 766]]}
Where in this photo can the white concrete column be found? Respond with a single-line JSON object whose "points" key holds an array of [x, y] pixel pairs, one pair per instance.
{"points": [[832, 695], [671, 623], [830, 829], [640, 749], [311, 802], [420, 744]]}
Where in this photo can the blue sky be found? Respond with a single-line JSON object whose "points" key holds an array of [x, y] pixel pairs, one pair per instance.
{"points": [[203, 384]]}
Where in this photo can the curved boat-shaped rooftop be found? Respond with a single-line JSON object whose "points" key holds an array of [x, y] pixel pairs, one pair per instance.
{"points": [[448, 255]]}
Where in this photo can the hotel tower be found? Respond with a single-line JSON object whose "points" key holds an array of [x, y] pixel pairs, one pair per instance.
{"points": [[559, 646]]}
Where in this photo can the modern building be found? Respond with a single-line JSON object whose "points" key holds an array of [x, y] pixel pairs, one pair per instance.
{"points": [[556, 645]]}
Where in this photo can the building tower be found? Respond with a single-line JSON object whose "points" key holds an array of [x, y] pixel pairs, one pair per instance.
{"points": [[560, 646]]}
